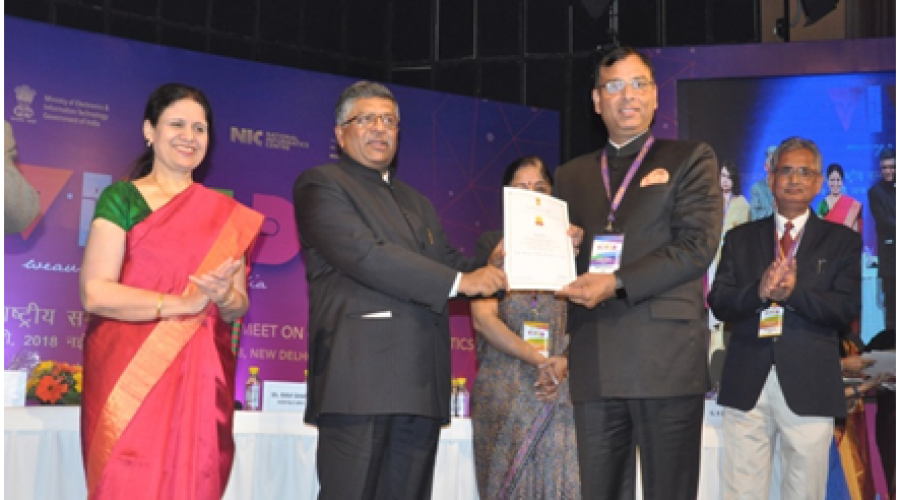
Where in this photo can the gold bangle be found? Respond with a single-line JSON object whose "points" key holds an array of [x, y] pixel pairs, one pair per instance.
{"points": [[229, 298], [159, 304]]}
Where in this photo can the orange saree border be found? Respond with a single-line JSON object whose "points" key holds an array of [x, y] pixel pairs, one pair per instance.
{"points": [[846, 211], [161, 347]]}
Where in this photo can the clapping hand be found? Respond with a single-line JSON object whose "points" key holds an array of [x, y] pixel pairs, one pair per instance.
{"points": [[218, 283], [778, 280]]}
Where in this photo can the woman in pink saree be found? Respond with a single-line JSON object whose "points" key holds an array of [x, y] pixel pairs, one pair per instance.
{"points": [[163, 276], [838, 207]]}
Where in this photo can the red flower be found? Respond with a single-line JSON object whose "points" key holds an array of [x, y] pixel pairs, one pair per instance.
{"points": [[49, 390]]}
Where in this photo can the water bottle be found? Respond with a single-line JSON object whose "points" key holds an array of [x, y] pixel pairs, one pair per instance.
{"points": [[252, 390], [454, 387], [462, 399]]}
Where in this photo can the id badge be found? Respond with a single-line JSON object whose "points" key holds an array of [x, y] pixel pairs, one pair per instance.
{"points": [[537, 334], [770, 321], [606, 253]]}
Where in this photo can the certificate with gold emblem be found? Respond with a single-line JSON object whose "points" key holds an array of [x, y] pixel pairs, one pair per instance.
{"points": [[539, 254]]}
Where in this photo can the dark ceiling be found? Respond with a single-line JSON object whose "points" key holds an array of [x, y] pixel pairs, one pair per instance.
{"points": [[534, 52]]}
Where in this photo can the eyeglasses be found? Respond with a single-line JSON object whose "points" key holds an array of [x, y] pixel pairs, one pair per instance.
{"points": [[803, 172], [638, 84], [368, 120]]}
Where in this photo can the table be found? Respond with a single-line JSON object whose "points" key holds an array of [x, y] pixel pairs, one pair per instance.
{"points": [[275, 457]]}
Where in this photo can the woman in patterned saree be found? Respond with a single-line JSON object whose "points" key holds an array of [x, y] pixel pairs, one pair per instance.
{"points": [[524, 446], [162, 277]]}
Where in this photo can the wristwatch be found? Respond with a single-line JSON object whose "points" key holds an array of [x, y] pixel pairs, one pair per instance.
{"points": [[620, 288]]}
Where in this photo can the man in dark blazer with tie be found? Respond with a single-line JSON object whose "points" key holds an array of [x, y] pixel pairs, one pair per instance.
{"points": [[883, 204], [788, 284], [380, 273], [639, 334]]}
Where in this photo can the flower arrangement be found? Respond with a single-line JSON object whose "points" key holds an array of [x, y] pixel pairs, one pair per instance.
{"points": [[54, 382]]}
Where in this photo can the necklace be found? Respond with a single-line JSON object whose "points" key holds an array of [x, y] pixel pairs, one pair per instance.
{"points": [[168, 194]]}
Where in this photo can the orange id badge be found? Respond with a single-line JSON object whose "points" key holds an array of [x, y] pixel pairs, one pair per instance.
{"points": [[537, 334], [771, 321]]}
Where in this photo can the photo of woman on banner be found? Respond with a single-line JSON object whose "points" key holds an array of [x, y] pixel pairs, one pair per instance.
{"points": [[162, 278], [838, 207]]}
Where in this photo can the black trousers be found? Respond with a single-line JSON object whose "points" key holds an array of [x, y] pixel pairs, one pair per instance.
{"points": [[376, 457], [666, 431]]}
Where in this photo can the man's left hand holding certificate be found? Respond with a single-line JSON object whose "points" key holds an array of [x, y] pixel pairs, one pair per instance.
{"points": [[537, 241]]}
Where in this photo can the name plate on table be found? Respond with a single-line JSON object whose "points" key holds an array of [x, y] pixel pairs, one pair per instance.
{"points": [[712, 413], [284, 396], [14, 389]]}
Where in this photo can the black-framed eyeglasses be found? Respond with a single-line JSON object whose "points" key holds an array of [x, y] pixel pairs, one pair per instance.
{"points": [[802, 172], [389, 120], [638, 84]]}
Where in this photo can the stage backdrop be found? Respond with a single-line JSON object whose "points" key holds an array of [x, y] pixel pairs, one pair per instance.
{"points": [[75, 101]]}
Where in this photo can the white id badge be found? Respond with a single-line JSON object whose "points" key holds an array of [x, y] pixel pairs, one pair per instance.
{"points": [[771, 321], [537, 334], [606, 253]]}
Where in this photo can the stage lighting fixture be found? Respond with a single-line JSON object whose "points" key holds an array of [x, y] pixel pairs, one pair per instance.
{"points": [[595, 8], [817, 9]]}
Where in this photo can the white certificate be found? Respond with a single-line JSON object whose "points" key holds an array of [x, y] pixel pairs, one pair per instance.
{"points": [[539, 253], [885, 362]]}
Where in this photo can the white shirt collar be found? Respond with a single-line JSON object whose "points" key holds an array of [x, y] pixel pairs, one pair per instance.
{"points": [[799, 222]]}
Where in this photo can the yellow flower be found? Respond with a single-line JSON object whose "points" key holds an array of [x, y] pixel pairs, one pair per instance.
{"points": [[77, 376]]}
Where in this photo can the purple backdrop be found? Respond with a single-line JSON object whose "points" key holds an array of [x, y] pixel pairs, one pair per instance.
{"points": [[75, 101]]}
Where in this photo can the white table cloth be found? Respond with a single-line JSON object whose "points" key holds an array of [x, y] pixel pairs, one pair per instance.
{"points": [[275, 457]]}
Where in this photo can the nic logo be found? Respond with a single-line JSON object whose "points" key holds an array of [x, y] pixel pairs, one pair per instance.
{"points": [[246, 136]]}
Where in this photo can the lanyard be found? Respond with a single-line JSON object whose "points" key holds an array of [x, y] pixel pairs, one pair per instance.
{"points": [[727, 204], [604, 168]]}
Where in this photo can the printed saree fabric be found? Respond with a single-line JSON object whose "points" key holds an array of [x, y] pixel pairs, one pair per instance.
{"points": [[523, 448], [851, 448], [158, 400]]}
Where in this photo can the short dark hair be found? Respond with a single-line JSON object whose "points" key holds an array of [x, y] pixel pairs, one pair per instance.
{"points": [[360, 90], [157, 103], [606, 57], [525, 161], [888, 153]]}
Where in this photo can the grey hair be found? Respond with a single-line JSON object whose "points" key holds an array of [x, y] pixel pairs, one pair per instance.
{"points": [[361, 90], [794, 143]]}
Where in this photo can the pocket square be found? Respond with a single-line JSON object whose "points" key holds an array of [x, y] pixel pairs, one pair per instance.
{"points": [[657, 176]]}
